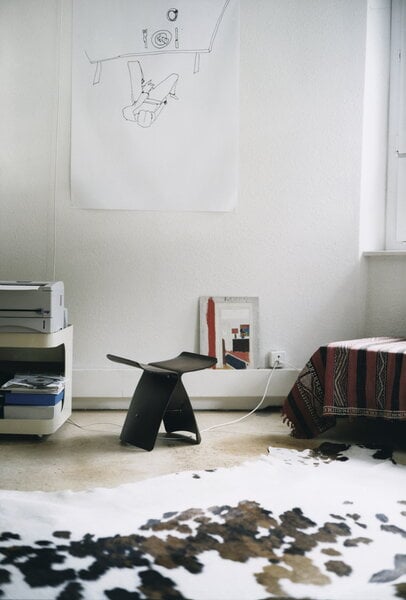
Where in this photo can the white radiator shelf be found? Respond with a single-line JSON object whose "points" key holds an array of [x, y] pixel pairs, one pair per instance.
{"points": [[209, 389]]}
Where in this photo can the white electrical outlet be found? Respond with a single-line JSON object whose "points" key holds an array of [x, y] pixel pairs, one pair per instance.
{"points": [[277, 358]]}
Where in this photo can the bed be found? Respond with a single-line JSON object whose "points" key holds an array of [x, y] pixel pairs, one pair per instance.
{"points": [[354, 378]]}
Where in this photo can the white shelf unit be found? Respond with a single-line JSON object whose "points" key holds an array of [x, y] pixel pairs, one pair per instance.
{"points": [[37, 352]]}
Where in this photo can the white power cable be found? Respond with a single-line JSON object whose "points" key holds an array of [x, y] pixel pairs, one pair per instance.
{"points": [[89, 427], [252, 411]]}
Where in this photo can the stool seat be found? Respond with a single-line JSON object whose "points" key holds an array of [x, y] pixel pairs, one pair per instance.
{"points": [[161, 396]]}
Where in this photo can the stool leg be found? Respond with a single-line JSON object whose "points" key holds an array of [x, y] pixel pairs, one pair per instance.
{"points": [[147, 409], [179, 415]]}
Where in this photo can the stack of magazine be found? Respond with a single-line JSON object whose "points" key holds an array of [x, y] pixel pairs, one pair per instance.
{"points": [[33, 396]]}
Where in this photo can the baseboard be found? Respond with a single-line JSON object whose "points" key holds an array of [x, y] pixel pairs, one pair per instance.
{"points": [[209, 390]]}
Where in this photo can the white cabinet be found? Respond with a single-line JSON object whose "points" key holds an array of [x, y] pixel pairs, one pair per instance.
{"points": [[37, 352]]}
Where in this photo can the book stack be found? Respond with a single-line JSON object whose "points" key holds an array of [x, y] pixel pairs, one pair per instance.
{"points": [[33, 396]]}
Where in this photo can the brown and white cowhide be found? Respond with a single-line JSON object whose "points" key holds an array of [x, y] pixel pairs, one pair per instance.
{"points": [[325, 524]]}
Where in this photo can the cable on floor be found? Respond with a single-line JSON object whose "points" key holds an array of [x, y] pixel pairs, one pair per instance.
{"points": [[258, 406], [70, 421]]}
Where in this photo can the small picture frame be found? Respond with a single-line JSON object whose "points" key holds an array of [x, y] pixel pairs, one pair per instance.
{"points": [[229, 330]]}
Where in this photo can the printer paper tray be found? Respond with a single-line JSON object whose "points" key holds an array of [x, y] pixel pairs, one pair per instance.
{"points": [[37, 324], [23, 313]]}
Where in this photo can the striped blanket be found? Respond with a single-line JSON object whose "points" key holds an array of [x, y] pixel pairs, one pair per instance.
{"points": [[361, 378]]}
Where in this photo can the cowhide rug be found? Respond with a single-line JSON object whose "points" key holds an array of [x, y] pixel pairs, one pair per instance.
{"points": [[328, 524]]}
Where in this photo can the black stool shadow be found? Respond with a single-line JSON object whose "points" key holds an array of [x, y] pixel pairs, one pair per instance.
{"points": [[161, 396]]}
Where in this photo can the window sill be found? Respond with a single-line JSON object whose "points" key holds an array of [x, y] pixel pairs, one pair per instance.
{"points": [[385, 253]]}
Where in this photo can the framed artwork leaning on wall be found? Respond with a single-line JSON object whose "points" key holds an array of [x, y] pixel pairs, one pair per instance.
{"points": [[229, 330]]}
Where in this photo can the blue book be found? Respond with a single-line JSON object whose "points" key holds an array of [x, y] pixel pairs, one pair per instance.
{"points": [[26, 399]]}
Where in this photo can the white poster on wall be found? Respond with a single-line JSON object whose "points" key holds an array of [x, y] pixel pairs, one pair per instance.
{"points": [[155, 104]]}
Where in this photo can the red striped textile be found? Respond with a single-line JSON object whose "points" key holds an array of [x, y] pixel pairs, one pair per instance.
{"points": [[364, 378]]}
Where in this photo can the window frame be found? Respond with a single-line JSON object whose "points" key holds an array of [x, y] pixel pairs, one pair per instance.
{"points": [[396, 161]]}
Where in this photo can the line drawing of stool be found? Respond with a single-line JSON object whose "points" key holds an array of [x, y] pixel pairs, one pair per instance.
{"points": [[161, 396]]}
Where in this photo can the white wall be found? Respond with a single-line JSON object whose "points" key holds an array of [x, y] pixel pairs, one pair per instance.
{"points": [[133, 279], [386, 305]]}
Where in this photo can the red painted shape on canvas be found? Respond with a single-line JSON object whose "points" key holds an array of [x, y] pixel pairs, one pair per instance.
{"points": [[211, 327], [245, 356]]}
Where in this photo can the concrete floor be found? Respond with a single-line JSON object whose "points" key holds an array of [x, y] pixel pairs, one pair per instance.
{"points": [[86, 451]]}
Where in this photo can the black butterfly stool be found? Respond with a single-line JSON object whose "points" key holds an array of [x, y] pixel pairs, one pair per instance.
{"points": [[160, 395]]}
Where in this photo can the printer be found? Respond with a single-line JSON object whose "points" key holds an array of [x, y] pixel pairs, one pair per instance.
{"points": [[34, 306]]}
